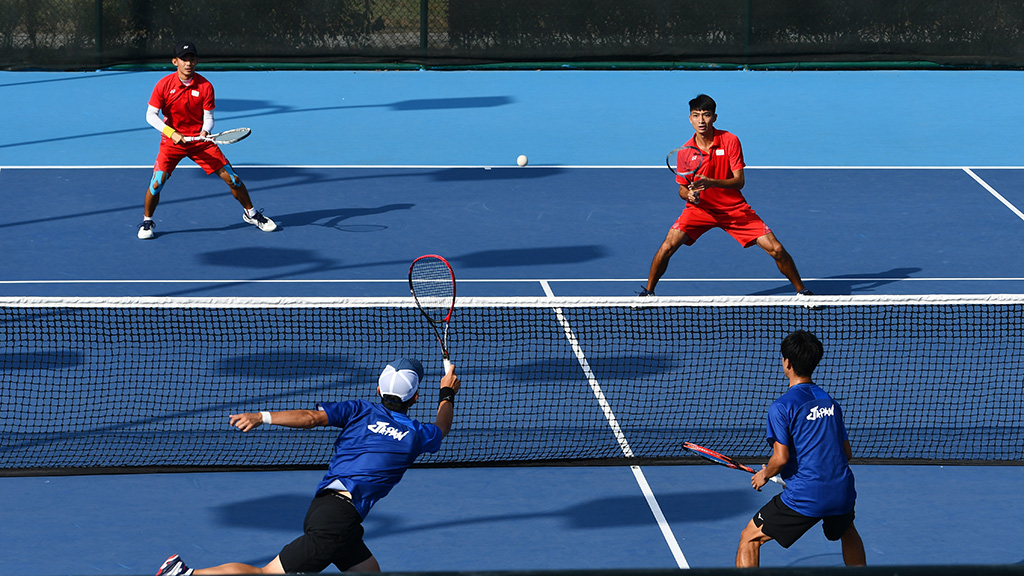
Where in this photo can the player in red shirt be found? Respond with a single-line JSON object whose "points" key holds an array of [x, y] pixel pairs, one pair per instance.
{"points": [[187, 102], [714, 200]]}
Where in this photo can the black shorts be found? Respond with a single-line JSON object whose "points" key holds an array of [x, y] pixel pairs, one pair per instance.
{"points": [[333, 535], [786, 525]]}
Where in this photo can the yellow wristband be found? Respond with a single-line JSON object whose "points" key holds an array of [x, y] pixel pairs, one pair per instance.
{"points": [[168, 131]]}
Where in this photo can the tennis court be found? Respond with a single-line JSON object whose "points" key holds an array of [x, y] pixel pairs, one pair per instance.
{"points": [[863, 176]]}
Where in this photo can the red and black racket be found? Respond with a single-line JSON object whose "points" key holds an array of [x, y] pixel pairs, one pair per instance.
{"points": [[722, 459], [432, 283], [685, 161]]}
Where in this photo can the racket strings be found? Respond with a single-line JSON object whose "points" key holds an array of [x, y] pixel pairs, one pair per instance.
{"points": [[433, 287]]}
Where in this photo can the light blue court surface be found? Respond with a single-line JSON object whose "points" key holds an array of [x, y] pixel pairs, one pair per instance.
{"points": [[613, 118], [877, 183]]}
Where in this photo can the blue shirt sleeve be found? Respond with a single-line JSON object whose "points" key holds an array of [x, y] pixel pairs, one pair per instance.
{"points": [[338, 413], [778, 425]]}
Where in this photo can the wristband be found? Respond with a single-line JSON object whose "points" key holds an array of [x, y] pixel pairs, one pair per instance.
{"points": [[266, 418], [446, 394], [168, 131]]}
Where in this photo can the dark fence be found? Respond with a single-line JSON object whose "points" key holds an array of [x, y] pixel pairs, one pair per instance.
{"points": [[81, 34]]}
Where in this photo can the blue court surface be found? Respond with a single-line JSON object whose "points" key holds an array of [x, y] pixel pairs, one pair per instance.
{"points": [[876, 182]]}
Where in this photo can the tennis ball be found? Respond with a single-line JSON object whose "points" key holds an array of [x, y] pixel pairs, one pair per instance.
{"points": [[522, 160]]}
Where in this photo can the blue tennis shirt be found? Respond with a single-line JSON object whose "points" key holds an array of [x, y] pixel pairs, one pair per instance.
{"points": [[374, 449], [818, 478]]}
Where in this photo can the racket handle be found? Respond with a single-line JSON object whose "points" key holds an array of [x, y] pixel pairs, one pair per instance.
{"points": [[778, 480], [447, 365]]}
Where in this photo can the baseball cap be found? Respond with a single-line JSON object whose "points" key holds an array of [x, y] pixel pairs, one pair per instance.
{"points": [[401, 378], [184, 48]]}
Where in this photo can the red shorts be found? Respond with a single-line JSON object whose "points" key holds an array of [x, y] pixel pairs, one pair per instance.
{"points": [[741, 223], [206, 154]]}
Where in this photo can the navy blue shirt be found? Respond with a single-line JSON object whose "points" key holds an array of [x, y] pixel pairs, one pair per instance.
{"points": [[374, 449], [818, 478]]}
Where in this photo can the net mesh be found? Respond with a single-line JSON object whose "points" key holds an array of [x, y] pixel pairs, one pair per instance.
{"points": [[130, 383]]}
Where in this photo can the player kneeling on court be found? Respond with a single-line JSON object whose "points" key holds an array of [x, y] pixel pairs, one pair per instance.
{"points": [[187, 102], [376, 445], [811, 451]]}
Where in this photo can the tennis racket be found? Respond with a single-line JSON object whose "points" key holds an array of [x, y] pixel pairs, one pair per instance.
{"points": [[432, 283], [225, 137], [685, 161], [724, 460]]}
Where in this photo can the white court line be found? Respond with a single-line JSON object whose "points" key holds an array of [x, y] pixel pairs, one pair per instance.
{"points": [[499, 166], [501, 280], [993, 192], [641, 480]]}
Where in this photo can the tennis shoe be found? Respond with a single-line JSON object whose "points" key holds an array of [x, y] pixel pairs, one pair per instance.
{"points": [[174, 566], [807, 294], [260, 221], [146, 229], [645, 292]]}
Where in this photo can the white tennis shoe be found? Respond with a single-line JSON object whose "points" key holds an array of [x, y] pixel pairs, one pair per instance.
{"points": [[260, 221], [174, 566], [146, 229]]}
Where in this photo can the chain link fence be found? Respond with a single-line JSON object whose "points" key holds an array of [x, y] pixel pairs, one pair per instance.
{"points": [[82, 34]]}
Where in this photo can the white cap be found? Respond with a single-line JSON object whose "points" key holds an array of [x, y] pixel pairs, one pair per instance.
{"points": [[401, 378]]}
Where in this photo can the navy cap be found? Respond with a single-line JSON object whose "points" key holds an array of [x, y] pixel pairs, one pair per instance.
{"points": [[185, 48]]}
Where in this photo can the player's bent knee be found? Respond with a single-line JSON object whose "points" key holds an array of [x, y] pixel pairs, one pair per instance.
{"points": [[159, 177], [234, 180]]}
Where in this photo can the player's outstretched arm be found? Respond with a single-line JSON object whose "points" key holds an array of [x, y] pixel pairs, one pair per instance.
{"points": [[450, 384], [289, 418]]}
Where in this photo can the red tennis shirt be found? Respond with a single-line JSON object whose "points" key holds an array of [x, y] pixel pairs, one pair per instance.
{"points": [[723, 158], [182, 105]]}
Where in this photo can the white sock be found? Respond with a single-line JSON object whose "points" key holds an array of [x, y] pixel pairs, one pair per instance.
{"points": [[250, 212]]}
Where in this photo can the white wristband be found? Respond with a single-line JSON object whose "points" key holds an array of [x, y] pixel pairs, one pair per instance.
{"points": [[266, 418]]}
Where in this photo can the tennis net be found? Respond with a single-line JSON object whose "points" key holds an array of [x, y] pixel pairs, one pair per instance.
{"points": [[144, 383]]}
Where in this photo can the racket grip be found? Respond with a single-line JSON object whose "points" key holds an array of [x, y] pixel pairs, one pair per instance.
{"points": [[778, 480], [447, 365]]}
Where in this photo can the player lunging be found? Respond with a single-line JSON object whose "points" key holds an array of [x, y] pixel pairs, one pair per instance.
{"points": [[187, 102], [714, 200], [376, 445], [811, 451]]}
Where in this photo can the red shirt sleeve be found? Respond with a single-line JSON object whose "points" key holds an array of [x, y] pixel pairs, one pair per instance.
{"points": [[735, 152]]}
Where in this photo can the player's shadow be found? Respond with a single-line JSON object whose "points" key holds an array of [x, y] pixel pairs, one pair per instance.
{"points": [[337, 218], [267, 108], [42, 360], [265, 180], [848, 284], [568, 368], [286, 511], [288, 364], [529, 256], [295, 263], [262, 257]]}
